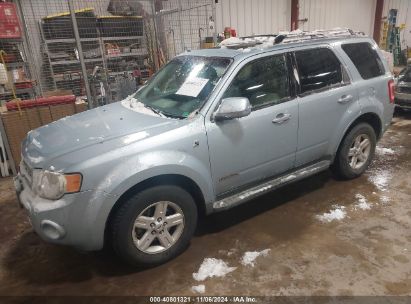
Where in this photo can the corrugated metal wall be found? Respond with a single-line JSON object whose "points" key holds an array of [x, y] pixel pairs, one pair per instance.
{"points": [[268, 16], [404, 16], [327, 14], [250, 17]]}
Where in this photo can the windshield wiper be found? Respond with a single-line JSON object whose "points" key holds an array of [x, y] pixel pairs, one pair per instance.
{"points": [[157, 111], [173, 115]]}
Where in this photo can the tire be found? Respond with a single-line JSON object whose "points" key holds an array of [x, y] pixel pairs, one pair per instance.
{"points": [[343, 163], [129, 241]]}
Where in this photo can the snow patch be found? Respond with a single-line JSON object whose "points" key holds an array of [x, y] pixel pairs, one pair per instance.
{"points": [[338, 213], [231, 41], [133, 104], [362, 202], [198, 288], [384, 151], [249, 257], [212, 267], [380, 179]]}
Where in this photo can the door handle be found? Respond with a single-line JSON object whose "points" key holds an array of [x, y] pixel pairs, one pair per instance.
{"points": [[281, 118], [345, 99]]}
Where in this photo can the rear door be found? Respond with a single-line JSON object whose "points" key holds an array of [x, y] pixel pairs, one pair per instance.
{"points": [[372, 80], [324, 99]]}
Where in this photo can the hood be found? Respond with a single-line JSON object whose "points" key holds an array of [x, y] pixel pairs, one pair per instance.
{"points": [[100, 125]]}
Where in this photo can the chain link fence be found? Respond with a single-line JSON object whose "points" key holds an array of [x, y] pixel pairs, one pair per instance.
{"points": [[102, 50]]}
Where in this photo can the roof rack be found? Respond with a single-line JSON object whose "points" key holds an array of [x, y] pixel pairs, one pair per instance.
{"points": [[297, 36], [286, 37]]}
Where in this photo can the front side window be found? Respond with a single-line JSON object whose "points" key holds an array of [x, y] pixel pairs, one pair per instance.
{"points": [[365, 59], [263, 81], [318, 69], [183, 85]]}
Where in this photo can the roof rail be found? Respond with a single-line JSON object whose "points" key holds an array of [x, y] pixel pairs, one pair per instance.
{"points": [[287, 37], [297, 36]]}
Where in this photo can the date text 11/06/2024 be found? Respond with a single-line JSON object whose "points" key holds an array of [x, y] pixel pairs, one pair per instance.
{"points": [[204, 299]]}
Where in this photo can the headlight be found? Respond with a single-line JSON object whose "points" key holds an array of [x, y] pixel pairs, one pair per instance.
{"points": [[53, 185]]}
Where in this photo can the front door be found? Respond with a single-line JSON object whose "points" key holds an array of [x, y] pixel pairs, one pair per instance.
{"points": [[263, 144]]}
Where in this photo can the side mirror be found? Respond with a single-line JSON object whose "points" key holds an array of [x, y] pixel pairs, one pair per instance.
{"points": [[233, 107]]}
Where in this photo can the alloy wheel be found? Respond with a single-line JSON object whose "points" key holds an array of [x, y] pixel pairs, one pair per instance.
{"points": [[158, 227], [359, 151]]}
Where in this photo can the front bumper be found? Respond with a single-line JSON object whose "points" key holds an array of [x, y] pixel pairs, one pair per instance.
{"points": [[66, 221]]}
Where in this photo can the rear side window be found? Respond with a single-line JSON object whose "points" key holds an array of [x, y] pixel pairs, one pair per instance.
{"points": [[318, 69], [365, 59]]}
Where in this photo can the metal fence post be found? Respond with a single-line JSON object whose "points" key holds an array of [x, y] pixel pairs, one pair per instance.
{"points": [[80, 53], [34, 71], [155, 44], [214, 12], [180, 26]]}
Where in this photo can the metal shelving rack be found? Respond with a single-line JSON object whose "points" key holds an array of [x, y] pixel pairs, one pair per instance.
{"points": [[67, 67], [65, 73], [20, 92]]}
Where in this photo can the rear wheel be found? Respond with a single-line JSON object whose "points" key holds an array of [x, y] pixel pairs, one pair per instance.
{"points": [[154, 226], [356, 152]]}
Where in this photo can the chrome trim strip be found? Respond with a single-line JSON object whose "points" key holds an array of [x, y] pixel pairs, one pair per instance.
{"points": [[251, 193]]}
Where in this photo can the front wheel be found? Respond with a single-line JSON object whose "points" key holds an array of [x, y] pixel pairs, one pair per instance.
{"points": [[154, 226], [356, 152]]}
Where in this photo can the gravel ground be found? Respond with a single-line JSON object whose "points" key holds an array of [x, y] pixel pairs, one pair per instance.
{"points": [[319, 236]]}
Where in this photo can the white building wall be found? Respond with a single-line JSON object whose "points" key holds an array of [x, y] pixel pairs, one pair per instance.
{"points": [[271, 16], [250, 17], [357, 15], [403, 17]]}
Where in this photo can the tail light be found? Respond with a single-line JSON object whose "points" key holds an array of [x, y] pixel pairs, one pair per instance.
{"points": [[391, 90]]}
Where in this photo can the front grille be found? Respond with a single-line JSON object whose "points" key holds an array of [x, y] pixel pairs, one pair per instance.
{"points": [[404, 90], [403, 103]]}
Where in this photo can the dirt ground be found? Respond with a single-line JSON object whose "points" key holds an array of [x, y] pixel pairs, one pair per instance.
{"points": [[364, 248]]}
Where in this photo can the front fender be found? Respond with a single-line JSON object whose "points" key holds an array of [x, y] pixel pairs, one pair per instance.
{"points": [[137, 169], [147, 165]]}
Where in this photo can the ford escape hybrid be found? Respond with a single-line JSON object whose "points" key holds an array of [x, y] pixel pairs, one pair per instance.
{"points": [[212, 129]]}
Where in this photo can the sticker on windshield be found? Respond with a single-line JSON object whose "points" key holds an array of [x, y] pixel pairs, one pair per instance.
{"points": [[192, 87]]}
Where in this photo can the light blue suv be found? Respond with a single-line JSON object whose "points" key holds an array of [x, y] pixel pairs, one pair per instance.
{"points": [[212, 129]]}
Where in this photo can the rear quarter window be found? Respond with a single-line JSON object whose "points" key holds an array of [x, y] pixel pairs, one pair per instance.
{"points": [[365, 59]]}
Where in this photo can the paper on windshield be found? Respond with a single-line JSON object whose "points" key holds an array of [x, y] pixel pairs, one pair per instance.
{"points": [[192, 87]]}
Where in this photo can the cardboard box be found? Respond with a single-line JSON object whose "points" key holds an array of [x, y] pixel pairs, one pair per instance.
{"points": [[18, 124]]}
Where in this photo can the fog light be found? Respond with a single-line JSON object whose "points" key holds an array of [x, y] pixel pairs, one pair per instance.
{"points": [[52, 230]]}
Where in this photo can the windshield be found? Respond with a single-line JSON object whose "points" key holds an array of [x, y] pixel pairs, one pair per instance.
{"points": [[183, 85]]}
